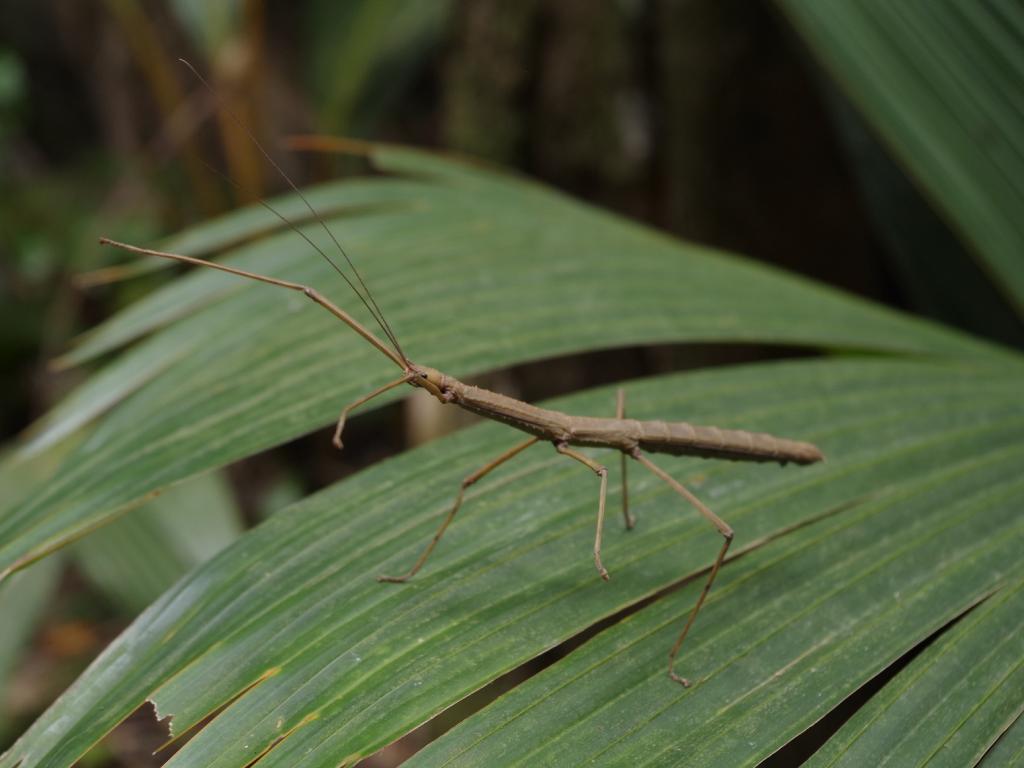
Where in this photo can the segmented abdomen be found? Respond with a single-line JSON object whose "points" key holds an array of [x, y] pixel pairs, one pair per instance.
{"points": [[679, 438]]}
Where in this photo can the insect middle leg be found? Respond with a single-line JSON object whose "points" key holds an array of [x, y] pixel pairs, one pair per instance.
{"points": [[602, 472], [466, 482], [727, 534], [620, 413]]}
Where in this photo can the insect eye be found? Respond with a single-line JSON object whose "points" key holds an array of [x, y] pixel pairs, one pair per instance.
{"points": [[423, 375]]}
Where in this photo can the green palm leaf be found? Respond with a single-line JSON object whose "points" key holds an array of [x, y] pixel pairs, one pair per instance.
{"points": [[848, 565], [949, 696], [940, 82]]}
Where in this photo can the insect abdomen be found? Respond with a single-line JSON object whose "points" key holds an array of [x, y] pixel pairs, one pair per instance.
{"points": [[679, 438]]}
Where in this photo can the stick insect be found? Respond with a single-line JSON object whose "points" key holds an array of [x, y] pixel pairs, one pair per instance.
{"points": [[633, 439]]}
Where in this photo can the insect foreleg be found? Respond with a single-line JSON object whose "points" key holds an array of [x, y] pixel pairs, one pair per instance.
{"points": [[466, 482], [723, 528], [310, 293], [345, 411], [602, 472]]}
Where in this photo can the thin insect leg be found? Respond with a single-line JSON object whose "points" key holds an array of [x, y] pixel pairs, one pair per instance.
{"points": [[345, 411], [620, 413], [723, 528], [375, 310], [602, 472], [466, 482], [310, 293]]}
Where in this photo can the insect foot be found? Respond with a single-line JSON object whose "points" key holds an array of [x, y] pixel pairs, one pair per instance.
{"points": [[681, 680]]}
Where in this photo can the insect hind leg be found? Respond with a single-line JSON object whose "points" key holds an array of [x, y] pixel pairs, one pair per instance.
{"points": [[727, 535]]}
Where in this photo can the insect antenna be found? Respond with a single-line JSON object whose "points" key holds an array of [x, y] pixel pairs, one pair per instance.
{"points": [[368, 301], [291, 225]]}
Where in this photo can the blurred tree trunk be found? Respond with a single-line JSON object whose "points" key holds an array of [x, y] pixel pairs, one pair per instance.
{"points": [[695, 50], [747, 156], [487, 77], [549, 86]]}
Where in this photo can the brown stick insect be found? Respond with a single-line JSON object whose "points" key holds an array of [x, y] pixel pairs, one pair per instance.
{"points": [[633, 439]]}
